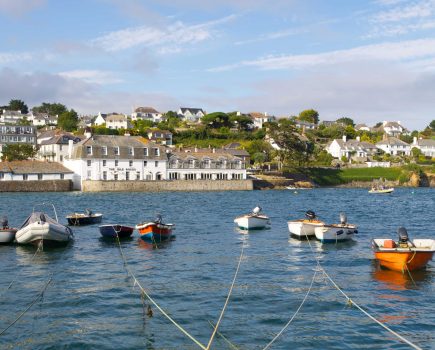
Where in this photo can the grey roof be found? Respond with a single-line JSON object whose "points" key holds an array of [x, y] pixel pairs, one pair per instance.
{"points": [[426, 142], [202, 153], [62, 139], [116, 117], [145, 110], [33, 167], [392, 141], [353, 145], [191, 110]]}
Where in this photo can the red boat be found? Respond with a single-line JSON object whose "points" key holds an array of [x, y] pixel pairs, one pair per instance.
{"points": [[155, 231]]}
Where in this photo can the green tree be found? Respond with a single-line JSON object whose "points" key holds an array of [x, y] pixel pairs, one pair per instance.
{"points": [[68, 121], [50, 108], [216, 120], [242, 121], [18, 152], [309, 115], [416, 152], [350, 132], [432, 125], [18, 105], [346, 121]]}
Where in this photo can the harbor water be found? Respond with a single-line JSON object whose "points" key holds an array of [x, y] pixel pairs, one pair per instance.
{"points": [[91, 302]]}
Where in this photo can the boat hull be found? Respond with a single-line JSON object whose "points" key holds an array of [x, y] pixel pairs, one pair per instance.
{"points": [[112, 231], [50, 234], [81, 219], [387, 190], [251, 222], [302, 229], [7, 235], [335, 233], [155, 232]]}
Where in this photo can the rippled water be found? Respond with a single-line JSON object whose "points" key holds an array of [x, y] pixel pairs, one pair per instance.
{"points": [[91, 302]]}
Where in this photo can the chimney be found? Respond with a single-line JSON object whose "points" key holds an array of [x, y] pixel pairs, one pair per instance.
{"points": [[238, 113], [214, 150], [88, 133], [344, 138], [196, 149], [384, 122], [70, 148], [399, 122], [265, 114], [358, 139], [414, 142]]}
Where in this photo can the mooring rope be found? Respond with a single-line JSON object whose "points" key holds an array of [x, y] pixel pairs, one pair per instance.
{"points": [[40, 295], [228, 298], [294, 315], [224, 338], [359, 307], [136, 282]]}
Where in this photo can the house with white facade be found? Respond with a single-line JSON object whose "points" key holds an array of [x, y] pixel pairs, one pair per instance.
{"points": [[12, 117], [205, 164], [191, 114], [17, 134], [163, 137], [351, 149], [426, 146], [301, 124], [117, 121], [362, 127], [55, 148], [393, 128], [394, 146], [147, 113], [27, 170], [42, 119], [101, 119], [116, 158], [259, 119]]}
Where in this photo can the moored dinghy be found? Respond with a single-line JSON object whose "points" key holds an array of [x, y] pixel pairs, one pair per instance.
{"points": [[336, 232], [7, 234], [86, 218], [404, 254], [304, 228], [253, 220], [115, 230], [155, 231]]}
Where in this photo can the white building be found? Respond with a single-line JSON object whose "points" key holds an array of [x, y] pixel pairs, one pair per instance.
{"points": [[28, 170], [109, 157], [362, 127], [147, 113], [301, 124], [205, 164], [12, 117], [394, 146], [191, 114], [356, 149], [117, 121], [394, 128], [55, 148], [426, 146], [17, 134], [259, 119], [100, 119], [163, 137]]}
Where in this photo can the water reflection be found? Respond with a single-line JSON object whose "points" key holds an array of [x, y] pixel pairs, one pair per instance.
{"points": [[396, 280], [29, 254], [154, 246]]}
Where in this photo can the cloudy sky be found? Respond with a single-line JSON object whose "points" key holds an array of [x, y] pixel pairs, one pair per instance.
{"points": [[369, 60]]}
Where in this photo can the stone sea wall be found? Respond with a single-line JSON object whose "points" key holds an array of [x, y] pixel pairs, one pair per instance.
{"points": [[36, 186], [167, 186]]}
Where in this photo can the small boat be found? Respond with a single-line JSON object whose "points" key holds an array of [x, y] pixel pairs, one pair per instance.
{"points": [[404, 254], [304, 228], [86, 218], [39, 227], [7, 234], [155, 231], [336, 232], [298, 188], [253, 220], [114, 230], [381, 190]]}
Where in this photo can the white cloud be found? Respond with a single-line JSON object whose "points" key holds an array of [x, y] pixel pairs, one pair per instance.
{"points": [[92, 76], [395, 52], [421, 9], [19, 7], [11, 57]]}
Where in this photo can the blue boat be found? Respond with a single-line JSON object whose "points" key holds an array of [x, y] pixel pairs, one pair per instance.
{"points": [[111, 231]]}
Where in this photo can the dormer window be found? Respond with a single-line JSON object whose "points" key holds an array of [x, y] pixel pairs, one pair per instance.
{"points": [[116, 151], [104, 151], [145, 152], [156, 152], [130, 151], [89, 150]]}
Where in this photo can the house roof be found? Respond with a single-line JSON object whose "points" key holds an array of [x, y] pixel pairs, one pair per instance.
{"points": [[33, 167], [191, 110], [232, 145], [116, 117], [62, 139], [202, 153], [146, 110], [359, 126], [392, 141], [353, 145], [426, 142]]}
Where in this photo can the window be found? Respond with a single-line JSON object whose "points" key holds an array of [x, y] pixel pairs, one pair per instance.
{"points": [[25, 177], [191, 163], [104, 162], [130, 151], [2, 175], [145, 151], [156, 152], [127, 175], [104, 175], [61, 158], [89, 174], [115, 177], [62, 176], [39, 176], [156, 163], [88, 149], [89, 162], [145, 163], [116, 162], [104, 151], [116, 151], [130, 163], [60, 147]]}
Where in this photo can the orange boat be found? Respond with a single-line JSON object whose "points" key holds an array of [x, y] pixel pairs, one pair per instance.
{"points": [[155, 231], [404, 254]]}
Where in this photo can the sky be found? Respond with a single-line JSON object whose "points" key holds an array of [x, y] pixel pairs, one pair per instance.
{"points": [[371, 60]]}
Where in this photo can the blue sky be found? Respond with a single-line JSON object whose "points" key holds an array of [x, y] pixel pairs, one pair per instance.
{"points": [[370, 60]]}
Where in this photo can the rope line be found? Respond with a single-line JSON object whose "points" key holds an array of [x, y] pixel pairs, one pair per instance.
{"points": [[41, 293], [136, 282], [357, 306], [294, 315], [224, 338], [227, 300]]}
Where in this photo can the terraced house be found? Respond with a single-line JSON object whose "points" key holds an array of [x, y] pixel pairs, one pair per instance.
{"points": [[17, 134]]}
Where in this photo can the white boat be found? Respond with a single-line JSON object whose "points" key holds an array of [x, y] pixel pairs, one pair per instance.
{"points": [[252, 221], [39, 227], [336, 232], [381, 190], [304, 228], [7, 234]]}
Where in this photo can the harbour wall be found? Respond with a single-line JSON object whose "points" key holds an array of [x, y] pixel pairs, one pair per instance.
{"points": [[36, 186], [167, 186]]}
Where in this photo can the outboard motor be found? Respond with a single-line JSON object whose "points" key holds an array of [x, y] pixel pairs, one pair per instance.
{"points": [[310, 214], [256, 210], [4, 222], [343, 219], [403, 236], [158, 219], [88, 211]]}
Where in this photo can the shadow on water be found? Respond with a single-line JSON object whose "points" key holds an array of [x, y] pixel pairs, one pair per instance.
{"points": [[26, 253], [154, 246]]}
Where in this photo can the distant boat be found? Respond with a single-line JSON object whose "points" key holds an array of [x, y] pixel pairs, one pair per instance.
{"points": [[114, 230], [253, 220], [155, 231], [7, 234], [39, 227], [298, 188], [304, 228], [336, 232], [381, 190], [404, 254], [86, 218]]}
